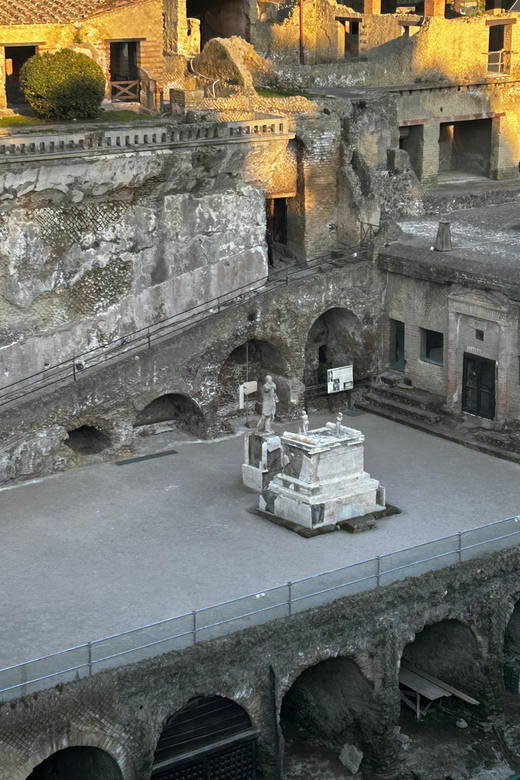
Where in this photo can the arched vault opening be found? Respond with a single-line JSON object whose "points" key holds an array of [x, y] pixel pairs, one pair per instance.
{"points": [[512, 634], [253, 361], [175, 408], [80, 763], [327, 705], [211, 737], [338, 338]]}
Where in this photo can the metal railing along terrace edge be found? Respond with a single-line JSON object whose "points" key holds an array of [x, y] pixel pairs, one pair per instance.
{"points": [[83, 364], [283, 601]]}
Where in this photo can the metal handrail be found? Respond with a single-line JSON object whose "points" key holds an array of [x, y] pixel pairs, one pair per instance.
{"points": [[74, 367], [31, 683]]}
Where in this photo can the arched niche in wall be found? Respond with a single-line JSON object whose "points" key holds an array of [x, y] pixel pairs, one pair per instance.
{"points": [[337, 338], [253, 361], [327, 705], [79, 763], [211, 737], [176, 408]]}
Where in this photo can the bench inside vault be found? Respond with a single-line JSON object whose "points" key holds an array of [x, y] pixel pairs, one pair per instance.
{"points": [[421, 683]]}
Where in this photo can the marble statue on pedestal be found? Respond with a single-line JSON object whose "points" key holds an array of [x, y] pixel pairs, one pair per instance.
{"points": [[268, 406]]}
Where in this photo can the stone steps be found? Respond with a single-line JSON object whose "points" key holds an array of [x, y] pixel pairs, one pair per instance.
{"points": [[386, 402], [439, 430], [410, 396]]}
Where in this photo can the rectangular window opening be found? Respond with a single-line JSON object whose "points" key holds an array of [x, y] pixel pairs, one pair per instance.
{"points": [[479, 335], [432, 346]]}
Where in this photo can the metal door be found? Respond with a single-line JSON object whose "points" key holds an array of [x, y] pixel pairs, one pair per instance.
{"points": [[478, 396]]}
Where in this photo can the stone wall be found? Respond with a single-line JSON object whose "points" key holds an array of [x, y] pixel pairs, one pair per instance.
{"points": [[123, 711], [33, 436], [456, 308], [441, 50], [419, 304]]}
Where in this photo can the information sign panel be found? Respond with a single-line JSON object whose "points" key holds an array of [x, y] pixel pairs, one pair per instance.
{"points": [[339, 379]]}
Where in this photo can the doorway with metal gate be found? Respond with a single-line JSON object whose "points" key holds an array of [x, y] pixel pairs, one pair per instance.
{"points": [[479, 386], [211, 738]]}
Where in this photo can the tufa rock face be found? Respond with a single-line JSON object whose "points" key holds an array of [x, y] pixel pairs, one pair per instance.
{"points": [[234, 61]]}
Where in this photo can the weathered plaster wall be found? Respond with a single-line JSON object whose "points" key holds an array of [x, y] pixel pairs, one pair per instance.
{"points": [[456, 307], [93, 249], [123, 711], [419, 304]]}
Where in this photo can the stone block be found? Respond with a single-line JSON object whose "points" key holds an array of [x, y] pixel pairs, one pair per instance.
{"points": [[262, 459], [351, 758], [323, 481]]}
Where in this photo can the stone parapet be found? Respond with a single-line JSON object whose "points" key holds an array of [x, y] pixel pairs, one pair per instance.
{"points": [[59, 143]]}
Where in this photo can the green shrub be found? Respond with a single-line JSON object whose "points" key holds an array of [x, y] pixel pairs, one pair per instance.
{"points": [[65, 85]]}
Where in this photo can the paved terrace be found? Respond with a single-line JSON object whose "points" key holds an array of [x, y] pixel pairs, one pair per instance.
{"points": [[105, 549]]}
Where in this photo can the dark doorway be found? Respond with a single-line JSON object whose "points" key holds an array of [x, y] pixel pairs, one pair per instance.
{"points": [[220, 18], [397, 360], [478, 392], [80, 763], [124, 70], [15, 58], [351, 39], [411, 141], [465, 147], [209, 739], [277, 219]]}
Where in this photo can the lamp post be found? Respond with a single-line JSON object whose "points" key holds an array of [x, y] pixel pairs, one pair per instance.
{"points": [[302, 51]]}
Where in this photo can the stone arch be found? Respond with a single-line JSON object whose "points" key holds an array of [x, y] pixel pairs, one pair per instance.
{"points": [[512, 631], [338, 338], [328, 704], [178, 409], [450, 651], [209, 732], [80, 762], [264, 358]]}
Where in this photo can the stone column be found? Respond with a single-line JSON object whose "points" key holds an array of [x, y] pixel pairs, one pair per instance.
{"points": [[503, 163], [175, 26], [452, 396], [434, 7], [372, 6], [3, 96], [430, 156]]}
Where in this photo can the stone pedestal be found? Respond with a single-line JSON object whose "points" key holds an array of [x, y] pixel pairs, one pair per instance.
{"points": [[262, 459], [323, 480]]}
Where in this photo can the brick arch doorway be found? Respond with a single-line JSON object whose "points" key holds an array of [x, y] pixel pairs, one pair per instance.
{"points": [[208, 739]]}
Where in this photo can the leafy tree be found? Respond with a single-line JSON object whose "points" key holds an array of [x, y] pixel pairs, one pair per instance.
{"points": [[64, 85]]}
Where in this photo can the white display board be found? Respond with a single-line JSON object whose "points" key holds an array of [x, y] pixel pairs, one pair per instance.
{"points": [[340, 379], [244, 390]]}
